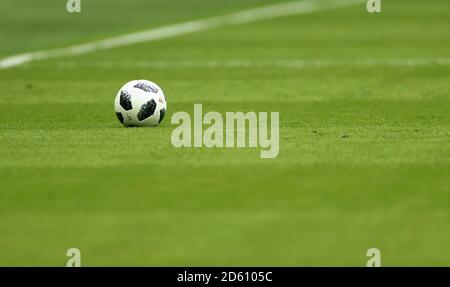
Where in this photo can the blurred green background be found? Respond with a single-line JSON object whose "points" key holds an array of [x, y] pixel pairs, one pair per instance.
{"points": [[364, 138]]}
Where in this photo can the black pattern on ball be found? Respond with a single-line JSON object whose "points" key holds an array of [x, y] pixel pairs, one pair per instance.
{"points": [[146, 87], [146, 110], [162, 113], [125, 100], [120, 117]]}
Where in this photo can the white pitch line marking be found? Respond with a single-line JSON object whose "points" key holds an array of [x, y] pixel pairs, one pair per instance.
{"points": [[238, 18], [290, 64]]}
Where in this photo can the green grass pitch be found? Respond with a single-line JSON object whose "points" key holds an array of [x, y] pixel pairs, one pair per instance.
{"points": [[364, 148]]}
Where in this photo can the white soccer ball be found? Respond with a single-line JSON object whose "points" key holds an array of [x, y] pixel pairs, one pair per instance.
{"points": [[140, 103]]}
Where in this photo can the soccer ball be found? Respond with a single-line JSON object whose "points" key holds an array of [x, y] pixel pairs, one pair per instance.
{"points": [[140, 103]]}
